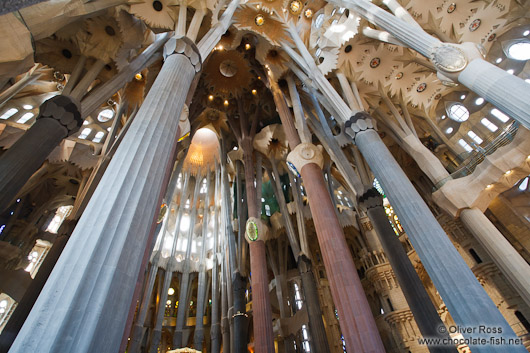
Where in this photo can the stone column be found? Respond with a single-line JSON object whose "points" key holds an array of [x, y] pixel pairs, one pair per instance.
{"points": [[215, 330], [467, 301], [420, 304], [509, 261], [58, 118], [83, 305], [198, 336], [357, 323]]}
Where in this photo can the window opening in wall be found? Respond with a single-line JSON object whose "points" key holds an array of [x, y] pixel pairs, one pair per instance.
{"points": [[267, 210], [7, 306], [98, 137], [524, 184], [464, 144], [475, 137], [36, 256], [203, 186], [475, 256], [458, 112], [390, 304], [9, 113], [84, 134], [500, 115], [491, 126], [61, 213], [297, 297], [305, 341], [179, 181], [24, 118]]}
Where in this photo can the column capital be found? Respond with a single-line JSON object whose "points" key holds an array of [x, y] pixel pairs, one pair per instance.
{"points": [[370, 199], [360, 122], [63, 109], [185, 46], [306, 153]]}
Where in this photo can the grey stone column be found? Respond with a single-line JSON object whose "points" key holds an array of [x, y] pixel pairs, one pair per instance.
{"points": [[510, 262], [198, 336], [215, 330], [225, 322], [319, 339], [468, 303], [84, 304], [420, 304], [58, 118]]}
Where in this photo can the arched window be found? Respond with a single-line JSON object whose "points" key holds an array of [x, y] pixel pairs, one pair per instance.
{"points": [[458, 112]]}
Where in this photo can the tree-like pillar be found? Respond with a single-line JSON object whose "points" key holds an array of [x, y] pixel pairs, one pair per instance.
{"points": [[58, 118], [215, 330], [510, 262], [462, 63], [356, 320], [420, 304], [468, 303], [90, 290]]}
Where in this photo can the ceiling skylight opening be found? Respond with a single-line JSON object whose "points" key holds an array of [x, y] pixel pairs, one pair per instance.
{"points": [[479, 101], [511, 71], [449, 130], [498, 60], [105, 115], [519, 50], [9, 113], [458, 112], [464, 144], [491, 126], [84, 134], [527, 32], [500, 115], [24, 118], [462, 97], [475, 137], [27, 106], [319, 20], [98, 137]]}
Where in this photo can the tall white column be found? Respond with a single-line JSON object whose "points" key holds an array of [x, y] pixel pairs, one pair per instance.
{"points": [[83, 305]]}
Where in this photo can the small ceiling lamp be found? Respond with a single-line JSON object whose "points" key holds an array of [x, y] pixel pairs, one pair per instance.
{"points": [[259, 20], [518, 49], [210, 97], [226, 103], [295, 6], [138, 76], [254, 92], [247, 46], [308, 13]]}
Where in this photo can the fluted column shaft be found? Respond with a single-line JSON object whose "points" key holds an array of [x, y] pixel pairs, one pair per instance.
{"points": [[355, 317], [215, 330], [261, 306], [468, 303], [82, 306], [59, 117], [420, 304], [509, 261]]}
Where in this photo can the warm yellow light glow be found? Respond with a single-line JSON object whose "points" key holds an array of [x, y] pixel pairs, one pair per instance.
{"points": [[170, 291], [138, 76], [247, 46], [489, 186], [210, 97], [295, 6], [259, 20], [308, 13], [225, 103], [220, 47], [168, 302], [254, 92], [508, 172], [183, 137], [257, 6]]}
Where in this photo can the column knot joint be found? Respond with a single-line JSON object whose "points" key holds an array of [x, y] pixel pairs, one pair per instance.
{"points": [[63, 109], [371, 199], [184, 46], [305, 153], [361, 121]]}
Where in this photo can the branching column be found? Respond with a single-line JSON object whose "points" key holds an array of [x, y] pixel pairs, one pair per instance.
{"points": [[467, 301], [356, 320], [90, 290]]}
